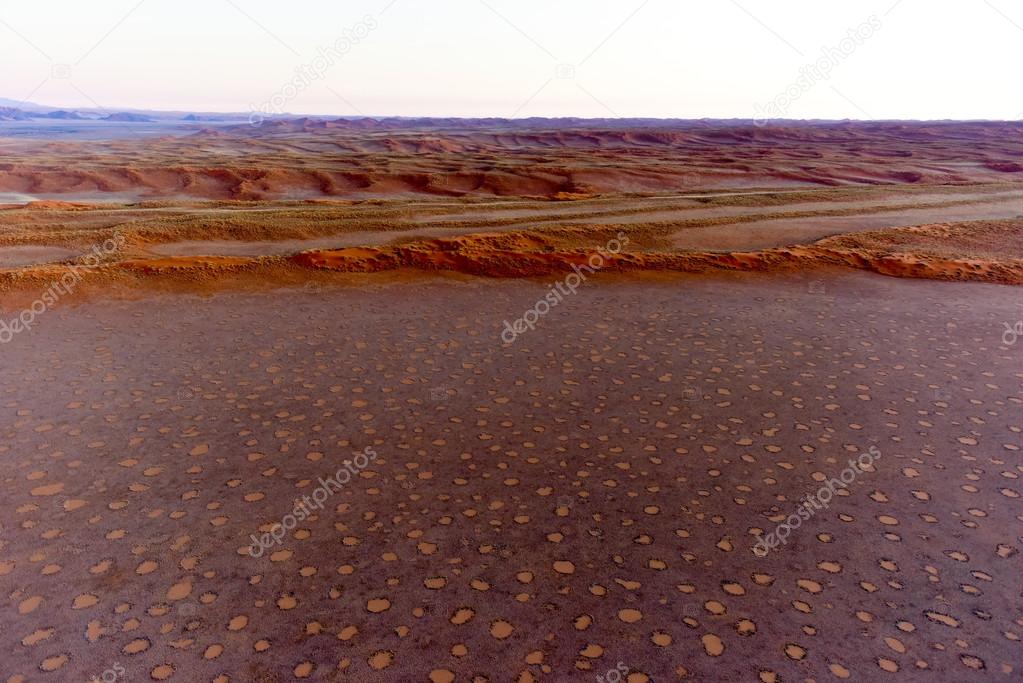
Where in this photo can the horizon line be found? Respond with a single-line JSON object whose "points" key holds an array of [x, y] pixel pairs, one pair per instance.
{"points": [[425, 117]]}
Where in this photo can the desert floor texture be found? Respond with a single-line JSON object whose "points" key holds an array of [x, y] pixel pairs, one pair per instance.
{"points": [[219, 322]]}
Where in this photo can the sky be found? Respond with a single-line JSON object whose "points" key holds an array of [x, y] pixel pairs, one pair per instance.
{"points": [[881, 59]]}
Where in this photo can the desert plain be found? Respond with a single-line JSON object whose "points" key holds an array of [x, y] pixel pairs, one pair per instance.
{"points": [[594, 363]]}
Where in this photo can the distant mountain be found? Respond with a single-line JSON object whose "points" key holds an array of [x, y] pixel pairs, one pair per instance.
{"points": [[128, 116], [62, 115], [14, 114], [33, 110], [29, 107], [212, 117]]}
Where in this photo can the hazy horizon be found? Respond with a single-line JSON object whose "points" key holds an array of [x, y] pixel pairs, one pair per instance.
{"points": [[7, 101]]}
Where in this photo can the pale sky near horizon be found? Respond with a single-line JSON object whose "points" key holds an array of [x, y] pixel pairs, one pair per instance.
{"points": [[925, 59]]}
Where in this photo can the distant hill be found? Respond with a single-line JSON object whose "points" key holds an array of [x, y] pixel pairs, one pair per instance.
{"points": [[62, 115], [214, 117], [128, 116], [17, 110], [29, 107], [14, 114]]}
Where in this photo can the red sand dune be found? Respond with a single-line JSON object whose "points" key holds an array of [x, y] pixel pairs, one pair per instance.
{"points": [[501, 158]]}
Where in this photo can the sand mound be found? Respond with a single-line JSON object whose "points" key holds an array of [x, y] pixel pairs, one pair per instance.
{"points": [[989, 252], [985, 251], [55, 205], [924, 252], [981, 240], [474, 259]]}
